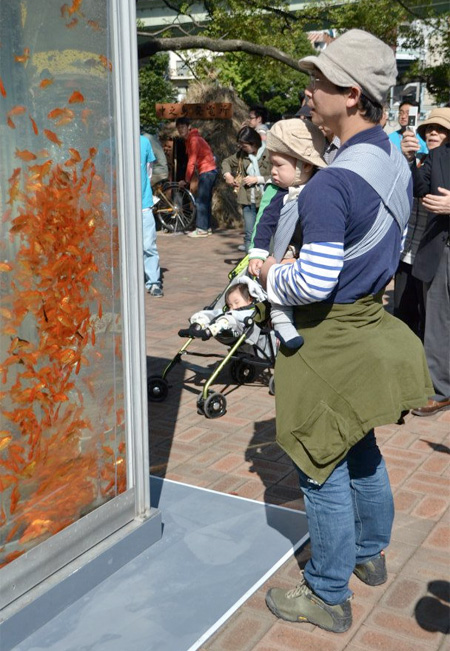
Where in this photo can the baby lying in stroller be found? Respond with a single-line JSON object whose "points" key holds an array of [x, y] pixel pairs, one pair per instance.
{"points": [[239, 300]]}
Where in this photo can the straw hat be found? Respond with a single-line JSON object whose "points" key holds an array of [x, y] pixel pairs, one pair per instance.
{"points": [[439, 116]]}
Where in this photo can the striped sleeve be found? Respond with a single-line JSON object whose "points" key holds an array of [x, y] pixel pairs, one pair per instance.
{"points": [[310, 279]]}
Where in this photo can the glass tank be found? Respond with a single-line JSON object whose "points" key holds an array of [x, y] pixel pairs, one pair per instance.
{"points": [[62, 432]]}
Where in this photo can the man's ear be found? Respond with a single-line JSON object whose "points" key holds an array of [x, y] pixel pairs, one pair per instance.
{"points": [[353, 97]]}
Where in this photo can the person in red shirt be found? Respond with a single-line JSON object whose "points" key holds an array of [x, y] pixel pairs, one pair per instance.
{"points": [[200, 159]]}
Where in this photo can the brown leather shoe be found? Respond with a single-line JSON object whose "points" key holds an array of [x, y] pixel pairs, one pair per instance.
{"points": [[431, 407]]}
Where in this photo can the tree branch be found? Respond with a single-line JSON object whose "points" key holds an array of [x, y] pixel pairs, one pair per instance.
{"points": [[154, 45]]}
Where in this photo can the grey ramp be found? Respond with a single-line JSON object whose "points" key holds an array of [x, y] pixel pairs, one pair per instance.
{"points": [[216, 550]]}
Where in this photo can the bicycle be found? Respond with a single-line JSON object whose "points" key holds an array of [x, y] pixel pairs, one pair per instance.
{"points": [[175, 208]]}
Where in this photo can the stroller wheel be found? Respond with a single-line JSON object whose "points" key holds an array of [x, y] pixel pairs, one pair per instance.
{"points": [[157, 389], [272, 385], [215, 406], [241, 372]]}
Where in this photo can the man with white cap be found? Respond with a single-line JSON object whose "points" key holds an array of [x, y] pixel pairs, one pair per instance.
{"points": [[359, 367]]}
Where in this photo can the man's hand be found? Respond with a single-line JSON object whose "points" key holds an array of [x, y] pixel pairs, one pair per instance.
{"points": [[438, 203], [410, 145], [182, 184], [250, 180], [265, 270], [254, 266]]}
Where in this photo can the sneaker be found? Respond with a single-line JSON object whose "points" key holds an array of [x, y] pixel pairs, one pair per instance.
{"points": [[209, 231], [155, 290], [198, 232], [302, 605], [372, 572], [241, 247]]}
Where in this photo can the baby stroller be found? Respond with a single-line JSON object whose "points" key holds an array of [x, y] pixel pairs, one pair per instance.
{"points": [[250, 341]]}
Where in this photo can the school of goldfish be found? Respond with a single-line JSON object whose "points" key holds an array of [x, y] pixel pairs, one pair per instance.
{"points": [[54, 464]]}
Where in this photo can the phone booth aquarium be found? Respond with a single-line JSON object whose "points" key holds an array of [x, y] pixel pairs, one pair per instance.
{"points": [[73, 422]]}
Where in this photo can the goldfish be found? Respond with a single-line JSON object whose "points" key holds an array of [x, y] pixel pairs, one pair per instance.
{"points": [[23, 58], [76, 97], [106, 63], [10, 123], [85, 114], [72, 23], [2, 88], [95, 26], [75, 155], [51, 135], [5, 439], [5, 266], [76, 4], [46, 82], [25, 155], [16, 110], [34, 125]]}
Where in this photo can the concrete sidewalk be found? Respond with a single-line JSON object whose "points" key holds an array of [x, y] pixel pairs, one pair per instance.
{"points": [[237, 454]]}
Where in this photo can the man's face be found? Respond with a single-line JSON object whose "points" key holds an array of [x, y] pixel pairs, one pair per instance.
{"points": [[253, 120], [327, 104], [403, 115], [183, 130]]}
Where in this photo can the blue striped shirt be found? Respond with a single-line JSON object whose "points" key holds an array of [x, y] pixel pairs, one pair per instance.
{"points": [[337, 208]]}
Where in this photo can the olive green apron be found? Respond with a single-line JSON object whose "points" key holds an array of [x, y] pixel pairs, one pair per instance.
{"points": [[359, 368]]}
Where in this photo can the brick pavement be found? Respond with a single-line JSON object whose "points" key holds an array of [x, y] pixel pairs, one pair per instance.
{"points": [[237, 454]]}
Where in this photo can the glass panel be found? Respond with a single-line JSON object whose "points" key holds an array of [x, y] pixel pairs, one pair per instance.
{"points": [[62, 438]]}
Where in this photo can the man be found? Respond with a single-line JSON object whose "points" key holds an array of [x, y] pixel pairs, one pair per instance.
{"points": [[257, 118], [200, 158], [432, 261], [359, 367], [152, 271], [160, 168], [403, 116]]}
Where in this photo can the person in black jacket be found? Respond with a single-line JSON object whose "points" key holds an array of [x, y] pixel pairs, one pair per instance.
{"points": [[432, 261]]}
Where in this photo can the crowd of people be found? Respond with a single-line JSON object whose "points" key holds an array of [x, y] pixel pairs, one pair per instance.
{"points": [[329, 220]]}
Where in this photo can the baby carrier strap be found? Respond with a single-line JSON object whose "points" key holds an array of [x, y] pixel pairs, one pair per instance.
{"points": [[389, 176], [285, 229]]}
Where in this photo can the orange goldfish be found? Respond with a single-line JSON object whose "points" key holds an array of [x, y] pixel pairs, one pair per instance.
{"points": [[51, 135], [106, 63], [85, 114], [46, 82], [5, 266], [95, 26], [25, 155], [76, 97], [23, 58], [72, 23], [10, 123], [16, 110], [34, 125], [2, 88]]}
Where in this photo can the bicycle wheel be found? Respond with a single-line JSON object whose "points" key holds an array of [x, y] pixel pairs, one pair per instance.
{"points": [[175, 208]]}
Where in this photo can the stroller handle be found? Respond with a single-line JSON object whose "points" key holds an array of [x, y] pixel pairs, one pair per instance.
{"points": [[195, 331]]}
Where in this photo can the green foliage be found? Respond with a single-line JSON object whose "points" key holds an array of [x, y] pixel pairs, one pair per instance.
{"points": [[154, 87], [265, 81]]}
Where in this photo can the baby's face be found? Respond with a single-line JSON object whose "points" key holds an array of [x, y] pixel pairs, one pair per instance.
{"points": [[283, 169], [235, 300]]}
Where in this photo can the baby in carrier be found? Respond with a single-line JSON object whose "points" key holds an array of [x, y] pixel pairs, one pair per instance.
{"points": [[295, 148]]}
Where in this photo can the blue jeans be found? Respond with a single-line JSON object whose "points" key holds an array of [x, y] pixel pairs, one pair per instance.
{"points": [[151, 256], [350, 519], [249, 214], [203, 199]]}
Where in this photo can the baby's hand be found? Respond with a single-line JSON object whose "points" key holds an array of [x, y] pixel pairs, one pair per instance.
{"points": [[254, 266]]}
